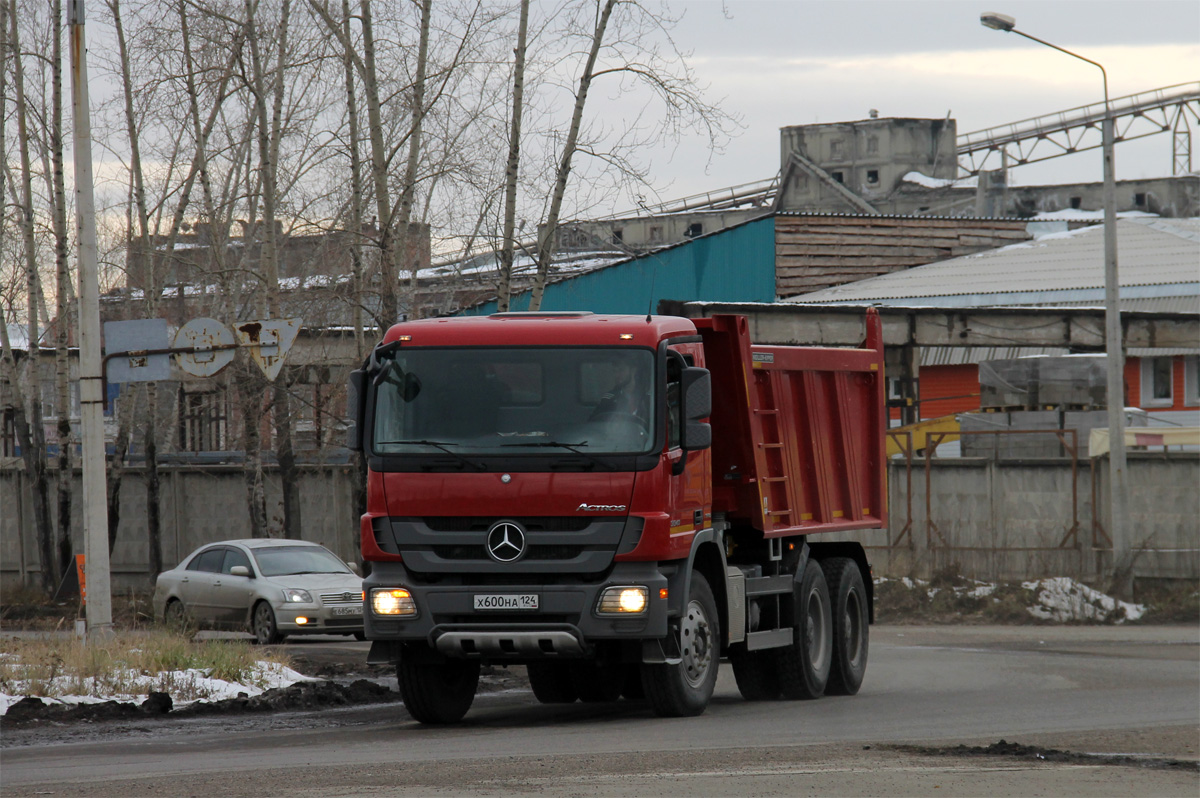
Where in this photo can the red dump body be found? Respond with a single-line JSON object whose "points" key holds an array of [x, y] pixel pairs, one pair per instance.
{"points": [[798, 432]]}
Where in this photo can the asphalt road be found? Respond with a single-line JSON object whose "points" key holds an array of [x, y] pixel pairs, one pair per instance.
{"points": [[1108, 690]]}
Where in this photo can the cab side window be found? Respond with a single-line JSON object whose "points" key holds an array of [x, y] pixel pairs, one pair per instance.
{"points": [[674, 416]]}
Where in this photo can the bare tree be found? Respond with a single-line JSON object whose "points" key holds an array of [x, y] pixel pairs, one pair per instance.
{"points": [[32, 438]]}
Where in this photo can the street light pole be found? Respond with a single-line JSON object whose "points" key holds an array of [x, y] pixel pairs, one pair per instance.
{"points": [[91, 382], [1119, 525]]}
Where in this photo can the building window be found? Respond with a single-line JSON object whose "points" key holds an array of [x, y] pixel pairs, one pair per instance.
{"points": [[656, 234], [695, 229], [618, 235], [838, 176], [1191, 381], [872, 145], [836, 150], [1139, 199], [1076, 202], [203, 422], [873, 176], [1157, 382]]}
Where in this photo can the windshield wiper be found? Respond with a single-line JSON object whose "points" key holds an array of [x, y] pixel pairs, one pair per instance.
{"points": [[571, 447], [444, 446]]}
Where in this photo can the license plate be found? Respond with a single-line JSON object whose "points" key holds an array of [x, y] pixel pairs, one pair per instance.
{"points": [[520, 601], [356, 610]]}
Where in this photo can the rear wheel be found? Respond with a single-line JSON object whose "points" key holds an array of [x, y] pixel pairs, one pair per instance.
{"points": [[440, 692], [757, 674], [175, 617], [685, 688], [804, 665], [263, 625], [851, 625], [552, 682]]}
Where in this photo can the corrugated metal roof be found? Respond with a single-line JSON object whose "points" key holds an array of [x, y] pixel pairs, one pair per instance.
{"points": [[1157, 258]]}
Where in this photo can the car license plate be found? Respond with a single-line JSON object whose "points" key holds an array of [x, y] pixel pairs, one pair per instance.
{"points": [[520, 601], [355, 610]]}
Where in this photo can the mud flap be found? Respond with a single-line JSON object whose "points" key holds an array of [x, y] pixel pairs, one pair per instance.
{"points": [[665, 651]]}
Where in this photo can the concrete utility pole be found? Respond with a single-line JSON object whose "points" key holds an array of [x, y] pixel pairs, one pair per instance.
{"points": [[1118, 489], [91, 380]]}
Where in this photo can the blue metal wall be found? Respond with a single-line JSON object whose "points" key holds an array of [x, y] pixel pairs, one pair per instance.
{"points": [[734, 265]]}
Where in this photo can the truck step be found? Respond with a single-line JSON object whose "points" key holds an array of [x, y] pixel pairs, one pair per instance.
{"points": [[768, 585], [774, 638]]}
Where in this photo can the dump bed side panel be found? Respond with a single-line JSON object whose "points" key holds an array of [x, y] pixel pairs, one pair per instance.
{"points": [[798, 432]]}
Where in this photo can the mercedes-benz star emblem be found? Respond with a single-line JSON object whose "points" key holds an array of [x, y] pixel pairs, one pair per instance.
{"points": [[506, 541]]}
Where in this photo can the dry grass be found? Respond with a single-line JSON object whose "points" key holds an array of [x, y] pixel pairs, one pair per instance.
{"points": [[129, 664]]}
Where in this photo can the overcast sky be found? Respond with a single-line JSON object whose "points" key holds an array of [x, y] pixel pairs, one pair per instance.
{"points": [[789, 62]]}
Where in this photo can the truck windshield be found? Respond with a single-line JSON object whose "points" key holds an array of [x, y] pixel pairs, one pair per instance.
{"points": [[465, 402]]}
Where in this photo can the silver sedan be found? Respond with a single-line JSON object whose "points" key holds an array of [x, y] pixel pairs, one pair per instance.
{"points": [[271, 588]]}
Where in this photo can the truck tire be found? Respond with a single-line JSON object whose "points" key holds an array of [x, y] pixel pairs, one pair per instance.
{"points": [[804, 665], [684, 689], [438, 693], [757, 674], [552, 682], [598, 683], [851, 625]]}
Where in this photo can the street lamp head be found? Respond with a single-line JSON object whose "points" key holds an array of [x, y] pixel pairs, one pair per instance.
{"points": [[990, 19]]}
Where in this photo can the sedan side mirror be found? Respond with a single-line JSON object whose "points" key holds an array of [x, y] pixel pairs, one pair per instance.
{"points": [[239, 570]]}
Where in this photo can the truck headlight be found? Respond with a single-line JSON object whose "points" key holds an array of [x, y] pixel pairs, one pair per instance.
{"points": [[623, 600], [392, 601], [295, 596]]}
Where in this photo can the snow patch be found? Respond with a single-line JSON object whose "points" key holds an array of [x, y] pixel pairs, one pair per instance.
{"points": [[1064, 599], [191, 682]]}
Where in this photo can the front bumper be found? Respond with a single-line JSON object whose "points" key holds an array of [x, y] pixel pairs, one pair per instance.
{"points": [[565, 624], [320, 620]]}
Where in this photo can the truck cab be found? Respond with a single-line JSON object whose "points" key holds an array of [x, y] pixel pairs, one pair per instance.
{"points": [[540, 491]]}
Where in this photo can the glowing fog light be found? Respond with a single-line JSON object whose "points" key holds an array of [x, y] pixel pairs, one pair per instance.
{"points": [[300, 619], [625, 600], [392, 601]]}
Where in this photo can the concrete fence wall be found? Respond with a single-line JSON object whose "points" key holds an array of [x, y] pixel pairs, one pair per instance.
{"points": [[987, 519]]}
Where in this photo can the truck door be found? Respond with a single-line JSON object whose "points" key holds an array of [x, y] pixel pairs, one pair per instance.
{"points": [[691, 491]]}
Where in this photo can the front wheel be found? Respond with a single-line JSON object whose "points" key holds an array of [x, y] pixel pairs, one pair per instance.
{"points": [[804, 665], [263, 625], [438, 693], [684, 689]]}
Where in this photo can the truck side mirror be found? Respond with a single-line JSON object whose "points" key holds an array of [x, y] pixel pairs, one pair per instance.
{"points": [[697, 393], [696, 385], [356, 401]]}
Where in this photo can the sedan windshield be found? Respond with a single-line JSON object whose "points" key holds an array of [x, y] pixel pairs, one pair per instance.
{"points": [[463, 402], [286, 560]]}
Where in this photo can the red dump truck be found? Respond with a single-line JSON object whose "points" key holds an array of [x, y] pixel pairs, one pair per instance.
{"points": [[617, 503]]}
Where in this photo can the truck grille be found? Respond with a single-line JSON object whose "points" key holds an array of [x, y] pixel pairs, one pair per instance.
{"points": [[553, 545]]}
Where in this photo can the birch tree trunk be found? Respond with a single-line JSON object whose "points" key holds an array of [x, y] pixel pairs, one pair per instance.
{"points": [[356, 190], [62, 330], [512, 171], [548, 234], [33, 440], [389, 301], [269, 133], [409, 189], [154, 563]]}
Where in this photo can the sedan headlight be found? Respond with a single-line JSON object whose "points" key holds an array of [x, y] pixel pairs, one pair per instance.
{"points": [[392, 601], [295, 595], [624, 600]]}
